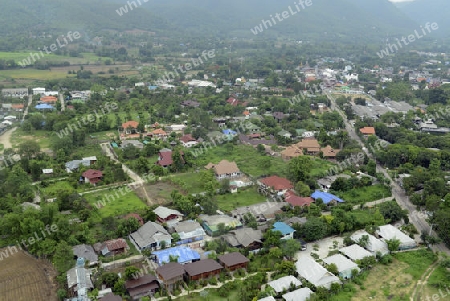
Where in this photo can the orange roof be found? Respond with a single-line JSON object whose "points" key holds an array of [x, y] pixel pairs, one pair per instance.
{"points": [[17, 106], [246, 113], [130, 124], [368, 130], [159, 132], [49, 99], [329, 152]]}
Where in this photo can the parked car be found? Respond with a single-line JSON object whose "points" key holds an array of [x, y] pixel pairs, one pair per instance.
{"points": [[303, 243]]}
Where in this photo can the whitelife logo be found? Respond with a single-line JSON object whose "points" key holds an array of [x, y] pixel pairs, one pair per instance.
{"points": [[265, 24], [392, 48]]}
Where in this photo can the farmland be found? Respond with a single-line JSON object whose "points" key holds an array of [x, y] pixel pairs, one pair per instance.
{"points": [[24, 278]]}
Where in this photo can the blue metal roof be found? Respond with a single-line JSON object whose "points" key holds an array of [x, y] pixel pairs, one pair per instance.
{"points": [[44, 106], [283, 228], [326, 197], [229, 132], [184, 254]]}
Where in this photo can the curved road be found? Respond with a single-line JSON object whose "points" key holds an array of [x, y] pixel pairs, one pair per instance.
{"points": [[416, 218]]}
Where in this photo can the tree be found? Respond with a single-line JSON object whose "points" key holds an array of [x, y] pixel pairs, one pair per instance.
{"points": [[29, 149], [299, 168], [63, 258], [302, 189], [272, 238], [333, 269], [393, 244], [314, 229], [127, 226], [290, 247], [392, 212], [131, 272]]}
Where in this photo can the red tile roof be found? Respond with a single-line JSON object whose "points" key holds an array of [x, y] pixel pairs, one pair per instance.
{"points": [[132, 124], [92, 174], [187, 138], [115, 244], [277, 183], [298, 201], [48, 99], [166, 158], [233, 101], [367, 130]]}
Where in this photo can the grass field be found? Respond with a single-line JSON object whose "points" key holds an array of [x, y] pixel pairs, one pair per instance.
{"points": [[84, 59], [120, 205], [24, 278], [247, 197], [40, 136], [365, 194]]}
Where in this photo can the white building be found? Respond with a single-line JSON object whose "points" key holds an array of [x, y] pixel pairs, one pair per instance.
{"points": [[343, 264], [314, 273], [284, 283], [374, 245], [388, 232], [301, 294], [355, 252], [37, 91]]}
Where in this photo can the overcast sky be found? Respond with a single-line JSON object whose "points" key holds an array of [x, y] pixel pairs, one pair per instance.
{"points": [[401, 0]]}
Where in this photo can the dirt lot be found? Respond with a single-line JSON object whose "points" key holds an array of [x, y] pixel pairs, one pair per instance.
{"points": [[159, 192], [23, 278]]}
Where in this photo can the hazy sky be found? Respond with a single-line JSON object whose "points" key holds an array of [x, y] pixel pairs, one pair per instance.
{"points": [[401, 0]]}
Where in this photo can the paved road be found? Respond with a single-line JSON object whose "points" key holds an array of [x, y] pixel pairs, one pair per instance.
{"points": [[417, 219], [63, 104]]}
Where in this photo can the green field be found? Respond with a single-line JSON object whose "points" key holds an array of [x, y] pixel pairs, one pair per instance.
{"points": [[86, 57], [32, 74], [365, 194], [123, 204], [247, 197], [41, 137]]}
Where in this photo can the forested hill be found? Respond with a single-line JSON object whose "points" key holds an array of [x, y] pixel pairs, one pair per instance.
{"points": [[423, 11], [337, 20]]}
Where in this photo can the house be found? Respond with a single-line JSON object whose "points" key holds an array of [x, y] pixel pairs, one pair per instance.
{"points": [[86, 252], [190, 232], [310, 145], [274, 185], [18, 106], [297, 201], [170, 274], [130, 127], [286, 231], [143, 286], [343, 264], [247, 238], [329, 153], [388, 232], [114, 247], [233, 261], [48, 99], [252, 128], [367, 131], [211, 223], [355, 252], [284, 283], [233, 101], [176, 127], [373, 244], [302, 294], [48, 171], [308, 269], [75, 164], [165, 214], [79, 280], [37, 91], [285, 134], [110, 297], [92, 176], [135, 143], [165, 157], [188, 140], [261, 211], [326, 197], [151, 236], [226, 170], [183, 254], [92, 159], [202, 269], [279, 116], [291, 152], [158, 134]]}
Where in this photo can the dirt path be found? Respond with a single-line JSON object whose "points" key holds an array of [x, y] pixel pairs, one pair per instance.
{"points": [[5, 139], [138, 180], [416, 295]]}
